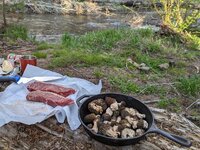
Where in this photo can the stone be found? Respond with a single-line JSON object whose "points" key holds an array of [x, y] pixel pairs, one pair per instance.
{"points": [[164, 66]]}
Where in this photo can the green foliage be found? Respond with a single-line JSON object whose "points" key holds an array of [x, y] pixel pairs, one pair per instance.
{"points": [[171, 104], [125, 85], [178, 16], [16, 7], [40, 54], [16, 32], [194, 41], [189, 86]]}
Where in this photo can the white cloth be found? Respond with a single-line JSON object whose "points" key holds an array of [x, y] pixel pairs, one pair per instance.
{"points": [[15, 107]]}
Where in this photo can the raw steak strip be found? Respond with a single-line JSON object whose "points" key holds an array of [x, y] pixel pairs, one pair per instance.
{"points": [[49, 98], [42, 86]]}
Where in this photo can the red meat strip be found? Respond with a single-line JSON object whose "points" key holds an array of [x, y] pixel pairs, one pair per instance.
{"points": [[42, 86], [49, 98]]}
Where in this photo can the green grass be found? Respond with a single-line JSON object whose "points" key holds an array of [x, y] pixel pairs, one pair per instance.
{"points": [[106, 40], [189, 86], [69, 41], [65, 58], [146, 32], [44, 46], [102, 40], [170, 104], [16, 32], [123, 84], [98, 74], [40, 54], [154, 46], [112, 47], [158, 90], [176, 71], [152, 62]]}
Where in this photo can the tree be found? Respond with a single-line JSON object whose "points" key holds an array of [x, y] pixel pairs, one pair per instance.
{"points": [[4, 14]]}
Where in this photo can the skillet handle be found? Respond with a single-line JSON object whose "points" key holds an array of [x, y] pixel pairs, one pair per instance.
{"points": [[178, 139], [78, 101]]}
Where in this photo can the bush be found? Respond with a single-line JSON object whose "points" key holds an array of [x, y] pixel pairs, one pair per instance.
{"points": [[16, 32], [177, 17]]}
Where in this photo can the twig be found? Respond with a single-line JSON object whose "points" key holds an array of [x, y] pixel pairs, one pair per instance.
{"points": [[175, 90], [189, 122], [152, 101], [198, 100], [62, 138], [50, 131]]}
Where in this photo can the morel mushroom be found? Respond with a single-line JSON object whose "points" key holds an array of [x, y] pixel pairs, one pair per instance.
{"points": [[107, 122], [132, 112], [106, 117], [139, 132], [101, 103], [134, 124], [142, 124], [125, 123], [89, 118], [95, 124], [116, 113], [127, 133], [124, 113], [128, 112], [114, 118], [112, 123], [94, 108], [122, 105], [109, 111], [132, 121], [107, 130], [141, 116], [114, 106], [119, 118], [110, 100]]}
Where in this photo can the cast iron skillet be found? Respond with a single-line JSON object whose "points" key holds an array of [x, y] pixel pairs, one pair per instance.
{"points": [[131, 102]]}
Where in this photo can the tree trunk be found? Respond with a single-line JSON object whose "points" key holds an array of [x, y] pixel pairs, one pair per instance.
{"points": [[4, 14]]}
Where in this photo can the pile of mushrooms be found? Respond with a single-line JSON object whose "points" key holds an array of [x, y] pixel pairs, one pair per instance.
{"points": [[113, 119]]}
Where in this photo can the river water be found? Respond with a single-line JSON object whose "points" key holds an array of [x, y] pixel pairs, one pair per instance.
{"points": [[50, 28]]}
